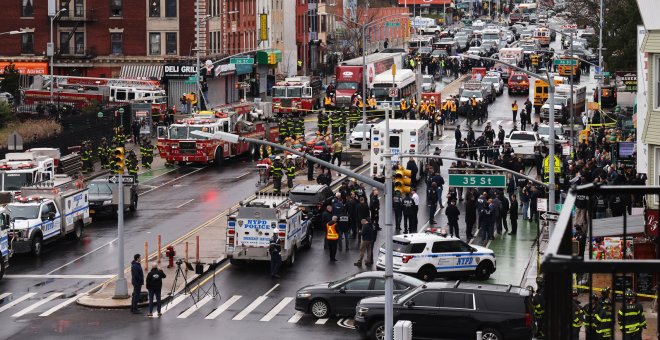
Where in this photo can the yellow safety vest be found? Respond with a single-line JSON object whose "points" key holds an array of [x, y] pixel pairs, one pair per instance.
{"points": [[327, 101], [331, 233], [515, 107]]}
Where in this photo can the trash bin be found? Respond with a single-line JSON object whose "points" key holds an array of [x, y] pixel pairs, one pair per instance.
{"points": [[354, 158]]}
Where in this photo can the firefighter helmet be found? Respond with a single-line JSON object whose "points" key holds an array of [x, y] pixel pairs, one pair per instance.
{"points": [[605, 293], [540, 281], [630, 294], [606, 302]]}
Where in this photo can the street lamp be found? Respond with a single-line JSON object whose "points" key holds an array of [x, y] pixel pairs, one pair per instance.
{"points": [[551, 98], [21, 31], [50, 51]]}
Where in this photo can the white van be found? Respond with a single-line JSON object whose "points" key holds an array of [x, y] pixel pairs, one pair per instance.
{"points": [[407, 137]]}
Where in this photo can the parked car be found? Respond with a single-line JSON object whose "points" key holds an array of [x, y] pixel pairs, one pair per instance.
{"points": [[525, 144], [340, 297], [428, 84], [544, 132], [312, 199], [355, 139], [496, 80], [453, 310]]}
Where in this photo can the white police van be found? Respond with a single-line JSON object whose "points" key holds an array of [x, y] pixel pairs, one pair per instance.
{"points": [[429, 254]]}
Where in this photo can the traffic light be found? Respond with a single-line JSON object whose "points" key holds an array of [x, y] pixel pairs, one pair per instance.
{"points": [[118, 160], [238, 86], [402, 180], [272, 59]]}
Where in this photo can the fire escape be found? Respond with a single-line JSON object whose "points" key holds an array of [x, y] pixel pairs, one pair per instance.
{"points": [[72, 23]]}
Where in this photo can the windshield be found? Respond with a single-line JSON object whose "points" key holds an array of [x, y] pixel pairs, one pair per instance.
{"points": [[178, 132], [100, 188], [360, 128], [490, 36], [14, 181], [493, 80], [518, 78], [197, 128], [279, 92], [340, 281], [405, 296], [545, 131], [347, 85], [427, 80], [470, 93], [528, 48], [23, 212], [294, 92], [381, 93]]}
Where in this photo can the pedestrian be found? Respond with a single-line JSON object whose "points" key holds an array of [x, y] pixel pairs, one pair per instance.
{"points": [[274, 250], [154, 286], [397, 206], [412, 166], [366, 246], [374, 207], [332, 237], [452, 213], [432, 201], [505, 210], [409, 214], [137, 280], [513, 214], [497, 216], [470, 215], [514, 110]]}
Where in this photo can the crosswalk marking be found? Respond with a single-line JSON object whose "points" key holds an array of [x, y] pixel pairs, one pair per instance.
{"points": [[223, 307], [174, 302], [195, 307], [259, 300], [278, 308], [37, 305], [62, 305], [296, 317], [321, 321], [4, 295], [17, 301]]}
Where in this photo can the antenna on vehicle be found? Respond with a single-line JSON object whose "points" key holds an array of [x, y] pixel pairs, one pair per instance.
{"points": [[458, 282]]}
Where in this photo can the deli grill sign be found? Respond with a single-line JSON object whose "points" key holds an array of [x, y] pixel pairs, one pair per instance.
{"points": [[179, 71]]}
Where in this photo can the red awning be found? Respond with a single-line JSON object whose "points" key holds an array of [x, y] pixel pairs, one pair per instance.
{"points": [[425, 2]]}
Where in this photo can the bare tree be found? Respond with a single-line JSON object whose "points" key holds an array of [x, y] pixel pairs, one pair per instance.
{"points": [[348, 38]]}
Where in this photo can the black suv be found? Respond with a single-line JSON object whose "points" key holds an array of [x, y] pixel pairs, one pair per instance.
{"points": [[453, 310], [313, 199]]}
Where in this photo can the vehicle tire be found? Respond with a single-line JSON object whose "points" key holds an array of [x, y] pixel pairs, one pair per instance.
{"points": [[235, 262], [319, 308], [218, 159], [292, 258], [77, 231], [483, 270], [310, 238], [491, 334], [37, 244], [2, 268], [427, 273], [181, 163], [134, 204], [377, 331]]}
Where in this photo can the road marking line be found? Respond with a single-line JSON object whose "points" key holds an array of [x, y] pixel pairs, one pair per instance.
{"points": [[278, 308], [49, 276], [184, 203], [174, 302], [321, 321], [170, 181], [296, 317], [259, 300], [242, 176], [272, 289], [36, 305], [62, 305], [195, 307], [345, 323], [223, 307], [17, 301], [4, 295]]}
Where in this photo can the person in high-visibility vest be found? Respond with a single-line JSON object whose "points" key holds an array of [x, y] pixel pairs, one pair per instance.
{"points": [[327, 102], [332, 237], [372, 102], [514, 110], [403, 107]]}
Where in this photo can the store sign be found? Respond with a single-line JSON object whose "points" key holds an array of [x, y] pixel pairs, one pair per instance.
{"points": [[224, 69], [627, 79], [26, 68], [651, 219], [179, 71], [263, 27]]}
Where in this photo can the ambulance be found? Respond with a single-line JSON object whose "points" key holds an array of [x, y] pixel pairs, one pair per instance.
{"points": [[253, 223], [406, 137]]}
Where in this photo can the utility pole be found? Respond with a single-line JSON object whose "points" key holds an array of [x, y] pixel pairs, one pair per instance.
{"points": [[573, 96], [198, 16], [363, 144], [551, 147], [121, 286], [600, 57], [389, 265]]}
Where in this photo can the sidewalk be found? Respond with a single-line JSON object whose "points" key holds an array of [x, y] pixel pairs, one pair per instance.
{"points": [[513, 252]]}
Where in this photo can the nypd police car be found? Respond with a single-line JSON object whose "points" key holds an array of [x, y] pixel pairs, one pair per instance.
{"points": [[432, 253]]}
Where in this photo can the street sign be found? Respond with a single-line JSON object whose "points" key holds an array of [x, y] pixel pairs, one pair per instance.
{"points": [[481, 181], [125, 179], [241, 61], [597, 69], [606, 74], [546, 164], [550, 216], [121, 110], [598, 76], [100, 114], [392, 24], [572, 62], [15, 142], [394, 92], [542, 204]]}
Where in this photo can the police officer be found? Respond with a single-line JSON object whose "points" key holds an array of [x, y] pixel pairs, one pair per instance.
{"points": [[274, 250], [290, 171], [332, 237], [132, 164], [578, 316], [147, 153], [631, 317], [276, 171], [603, 319], [538, 302], [103, 152], [397, 206], [409, 214]]}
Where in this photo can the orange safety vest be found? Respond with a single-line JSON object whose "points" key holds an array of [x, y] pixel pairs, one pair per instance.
{"points": [[331, 233], [514, 107]]}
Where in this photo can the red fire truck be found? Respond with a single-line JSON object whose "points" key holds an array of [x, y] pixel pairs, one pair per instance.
{"points": [[83, 91], [301, 93], [176, 143]]}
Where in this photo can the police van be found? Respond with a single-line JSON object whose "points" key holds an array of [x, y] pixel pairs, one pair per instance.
{"points": [[429, 254], [253, 223], [407, 137]]}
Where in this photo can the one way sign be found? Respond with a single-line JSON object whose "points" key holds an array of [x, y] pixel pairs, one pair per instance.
{"points": [[549, 216], [124, 179]]}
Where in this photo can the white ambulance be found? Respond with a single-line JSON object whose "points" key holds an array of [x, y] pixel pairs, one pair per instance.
{"points": [[251, 226], [407, 137]]}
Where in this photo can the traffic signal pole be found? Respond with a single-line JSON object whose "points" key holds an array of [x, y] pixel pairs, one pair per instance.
{"points": [[121, 286]]}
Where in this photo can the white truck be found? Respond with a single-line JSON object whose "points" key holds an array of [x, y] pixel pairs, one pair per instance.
{"points": [[579, 96], [407, 137], [19, 169], [526, 144], [251, 226], [47, 212], [5, 252]]}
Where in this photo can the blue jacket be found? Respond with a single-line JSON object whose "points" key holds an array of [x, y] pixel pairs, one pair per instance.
{"points": [[137, 277]]}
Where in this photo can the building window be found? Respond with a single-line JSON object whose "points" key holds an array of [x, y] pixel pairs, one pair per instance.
{"points": [[27, 43], [79, 8], [79, 41], [27, 10], [154, 9], [170, 8], [154, 43], [170, 43], [116, 43], [116, 8], [64, 43]]}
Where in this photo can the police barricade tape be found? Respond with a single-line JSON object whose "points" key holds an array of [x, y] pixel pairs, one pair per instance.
{"points": [[615, 291]]}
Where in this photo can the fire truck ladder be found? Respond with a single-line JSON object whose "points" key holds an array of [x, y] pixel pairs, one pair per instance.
{"points": [[90, 81]]}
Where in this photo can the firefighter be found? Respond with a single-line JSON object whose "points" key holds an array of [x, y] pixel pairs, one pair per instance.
{"points": [[354, 118], [290, 171], [602, 320], [343, 119], [372, 102], [589, 311], [103, 153], [291, 125], [132, 164], [631, 317], [322, 122], [299, 127], [119, 139], [539, 307], [86, 157], [276, 173], [147, 154], [283, 128], [578, 317], [335, 120]]}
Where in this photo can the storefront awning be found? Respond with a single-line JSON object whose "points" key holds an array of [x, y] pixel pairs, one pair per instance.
{"points": [[26, 68], [613, 226], [425, 2], [141, 71]]}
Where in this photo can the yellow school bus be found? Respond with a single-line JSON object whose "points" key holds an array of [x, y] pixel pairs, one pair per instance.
{"points": [[565, 70], [541, 90]]}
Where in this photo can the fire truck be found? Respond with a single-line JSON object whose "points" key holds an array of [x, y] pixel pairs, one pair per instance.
{"points": [[83, 91], [301, 93], [176, 143], [251, 226]]}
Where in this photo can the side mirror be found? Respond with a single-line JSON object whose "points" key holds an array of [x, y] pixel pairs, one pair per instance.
{"points": [[409, 304], [342, 290], [51, 215]]}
